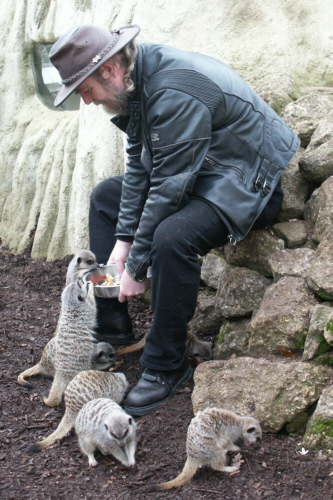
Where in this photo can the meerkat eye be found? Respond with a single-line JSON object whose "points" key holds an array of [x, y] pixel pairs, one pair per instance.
{"points": [[251, 430], [125, 434], [80, 298], [106, 427], [90, 262]]}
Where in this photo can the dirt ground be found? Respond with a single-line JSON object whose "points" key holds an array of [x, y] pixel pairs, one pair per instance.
{"points": [[29, 307]]}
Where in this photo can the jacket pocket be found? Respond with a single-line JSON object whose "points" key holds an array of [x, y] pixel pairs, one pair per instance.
{"points": [[215, 165]]}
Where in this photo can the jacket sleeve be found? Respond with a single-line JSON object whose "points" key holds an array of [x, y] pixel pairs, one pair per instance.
{"points": [[179, 127], [134, 191]]}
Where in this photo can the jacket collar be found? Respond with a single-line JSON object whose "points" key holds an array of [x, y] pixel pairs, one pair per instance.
{"points": [[131, 123]]}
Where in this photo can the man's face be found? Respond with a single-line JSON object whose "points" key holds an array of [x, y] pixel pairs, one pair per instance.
{"points": [[110, 93]]}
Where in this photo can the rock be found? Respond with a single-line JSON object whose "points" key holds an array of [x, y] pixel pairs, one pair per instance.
{"points": [[294, 262], [316, 164], [305, 114], [212, 268], [328, 329], [319, 211], [233, 339], [283, 318], [274, 392], [207, 317], [320, 273], [255, 251], [315, 343], [279, 92], [295, 188], [240, 292], [319, 432], [294, 232]]}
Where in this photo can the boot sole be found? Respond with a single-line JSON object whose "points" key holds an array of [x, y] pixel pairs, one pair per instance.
{"points": [[140, 411]]}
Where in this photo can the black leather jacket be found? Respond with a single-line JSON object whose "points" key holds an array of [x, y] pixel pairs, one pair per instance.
{"points": [[195, 129]]}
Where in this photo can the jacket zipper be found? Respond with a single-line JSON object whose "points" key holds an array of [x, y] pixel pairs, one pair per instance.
{"points": [[236, 170]]}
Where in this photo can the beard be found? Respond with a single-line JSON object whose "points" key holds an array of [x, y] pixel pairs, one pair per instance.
{"points": [[117, 102]]}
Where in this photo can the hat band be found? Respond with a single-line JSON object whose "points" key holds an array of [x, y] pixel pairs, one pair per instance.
{"points": [[95, 60]]}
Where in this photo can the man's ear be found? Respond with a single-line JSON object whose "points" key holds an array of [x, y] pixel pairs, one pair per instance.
{"points": [[107, 70]]}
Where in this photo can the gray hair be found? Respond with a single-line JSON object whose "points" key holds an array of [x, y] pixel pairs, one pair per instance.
{"points": [[125, 59]]}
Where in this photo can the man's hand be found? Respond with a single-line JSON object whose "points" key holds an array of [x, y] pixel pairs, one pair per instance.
{"points": [[130, 288], [119, 255]]}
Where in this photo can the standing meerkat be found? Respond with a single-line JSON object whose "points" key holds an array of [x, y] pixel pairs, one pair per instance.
{"points": [[211, 434], [102, 424], [74, 348], [83, 262], [198, 351], [84, 387]]}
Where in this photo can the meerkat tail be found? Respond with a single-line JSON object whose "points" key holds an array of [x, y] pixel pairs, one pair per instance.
{"points": [[34, 370], [65, 425], [132, 348], [190, 468]]}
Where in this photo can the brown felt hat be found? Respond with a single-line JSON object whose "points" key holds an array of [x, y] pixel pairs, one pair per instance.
{"points": [[83, 49]]}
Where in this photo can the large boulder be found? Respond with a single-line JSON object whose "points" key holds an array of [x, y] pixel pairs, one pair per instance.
{"points": [[274, 392], [294, 262], [240, 292], [320, 273], [207, 317], [305, 114], [316, 164], [213, 267], [319, 211], [296, 190], [283, 318], [319, 432], [255, 251], [233, 339], [293, 232], [316, 343]]}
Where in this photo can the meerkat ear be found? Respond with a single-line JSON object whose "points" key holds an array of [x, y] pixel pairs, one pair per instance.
{"points": [[79, 260], [251, 430], [130, 421]]}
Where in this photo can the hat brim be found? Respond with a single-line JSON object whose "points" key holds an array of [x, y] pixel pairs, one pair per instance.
{"points": [[127, 34]]}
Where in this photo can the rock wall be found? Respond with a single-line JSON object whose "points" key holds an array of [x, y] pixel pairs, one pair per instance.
{"points": [[50, 160]]}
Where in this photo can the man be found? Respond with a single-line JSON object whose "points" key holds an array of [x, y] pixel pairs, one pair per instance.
{"points": [[205, 156]]}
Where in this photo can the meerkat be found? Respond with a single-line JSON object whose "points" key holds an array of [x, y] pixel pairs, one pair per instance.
{"points": [[85, 386], [102, 424], [83, 262], [198, 351], [74, 348], [211, 434]]}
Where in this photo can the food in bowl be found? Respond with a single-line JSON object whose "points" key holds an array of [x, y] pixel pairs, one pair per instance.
{"points": [[110, 281]]}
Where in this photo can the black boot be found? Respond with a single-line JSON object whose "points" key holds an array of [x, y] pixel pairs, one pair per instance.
{"points": [[154, 387], [113, 322]]}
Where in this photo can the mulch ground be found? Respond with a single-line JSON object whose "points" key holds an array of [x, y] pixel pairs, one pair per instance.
{"points": [[29, 307]]}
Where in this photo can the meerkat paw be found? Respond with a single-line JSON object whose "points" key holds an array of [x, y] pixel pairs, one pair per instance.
{"points": [[231, 468], [92, 461]]}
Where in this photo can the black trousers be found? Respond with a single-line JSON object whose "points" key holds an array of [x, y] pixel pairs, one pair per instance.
{"points": [[178, 240]]}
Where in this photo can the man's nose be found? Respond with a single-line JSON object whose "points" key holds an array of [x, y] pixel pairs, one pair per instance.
{"points": [[87, 99]]}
